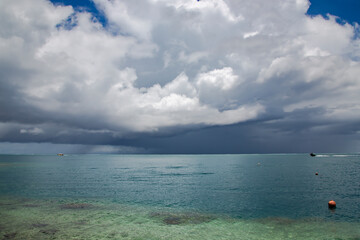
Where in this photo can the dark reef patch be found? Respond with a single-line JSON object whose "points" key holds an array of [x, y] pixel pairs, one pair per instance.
{"points": [[75, 206], [31, 205], [181, 218], [9, 236], [39, 225], [49, 231], [277, 221], [124, 234]]}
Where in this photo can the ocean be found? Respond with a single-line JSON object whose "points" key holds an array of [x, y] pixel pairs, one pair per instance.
{"points": [[265, 196]]}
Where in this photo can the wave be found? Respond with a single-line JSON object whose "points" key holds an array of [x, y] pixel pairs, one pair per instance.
{"points": [[186, 174], [175, 167]]}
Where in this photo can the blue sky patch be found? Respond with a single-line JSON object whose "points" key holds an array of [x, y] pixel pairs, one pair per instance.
{"points": [[82, 5], [346, 10]]}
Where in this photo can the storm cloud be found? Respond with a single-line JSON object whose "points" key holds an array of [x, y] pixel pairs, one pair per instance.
{"points": [[182, 76]]}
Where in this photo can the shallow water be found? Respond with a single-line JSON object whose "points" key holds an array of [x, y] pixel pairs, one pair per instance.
{"points": [[179, 197]]}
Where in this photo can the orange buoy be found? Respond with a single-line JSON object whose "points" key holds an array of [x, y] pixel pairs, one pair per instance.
{"points": [[316, 173], [332, 204]]}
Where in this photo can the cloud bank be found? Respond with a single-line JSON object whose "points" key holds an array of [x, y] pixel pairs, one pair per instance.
{"points": [[161, 69]]}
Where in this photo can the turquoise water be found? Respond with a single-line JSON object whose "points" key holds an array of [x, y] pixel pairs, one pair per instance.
{"points": [[179, 196]]}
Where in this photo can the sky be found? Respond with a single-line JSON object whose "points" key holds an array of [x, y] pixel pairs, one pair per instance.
{"points": [[180, 76]]}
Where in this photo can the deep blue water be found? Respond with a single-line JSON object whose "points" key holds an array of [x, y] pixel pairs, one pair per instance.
{"points": [[242, 186]]}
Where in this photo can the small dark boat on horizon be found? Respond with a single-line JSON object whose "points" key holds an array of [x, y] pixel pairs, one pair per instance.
{"points": [[312, 154]]}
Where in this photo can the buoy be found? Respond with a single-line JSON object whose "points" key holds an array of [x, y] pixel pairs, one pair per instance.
{"points": [[332, 204], [316, 173]]}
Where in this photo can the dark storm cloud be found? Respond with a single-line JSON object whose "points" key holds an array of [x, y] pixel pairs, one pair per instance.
{"points": [[12, 103]]}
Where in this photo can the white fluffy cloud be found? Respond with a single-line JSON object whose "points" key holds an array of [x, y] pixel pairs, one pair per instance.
{"points": [[176, 63], [222, 79], [176, 103]]}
